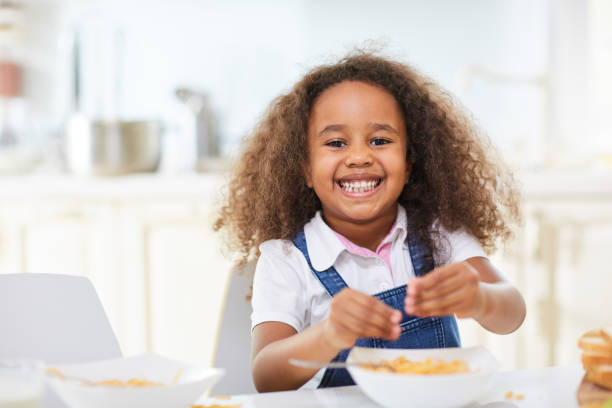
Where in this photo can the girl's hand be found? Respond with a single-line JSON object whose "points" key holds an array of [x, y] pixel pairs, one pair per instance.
{"points": [[354, 314], [450, 289]]}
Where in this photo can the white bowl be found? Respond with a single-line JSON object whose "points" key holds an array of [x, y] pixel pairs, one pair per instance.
{"points": [[424, 391], [190, 385]]}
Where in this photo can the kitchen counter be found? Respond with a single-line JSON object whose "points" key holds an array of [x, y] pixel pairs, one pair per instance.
{"points": [[553, 387], [566, 183], [542, 185], [147, 184]]}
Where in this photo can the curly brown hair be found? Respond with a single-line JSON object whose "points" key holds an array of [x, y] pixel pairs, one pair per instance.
{"points": [[457, 178]]}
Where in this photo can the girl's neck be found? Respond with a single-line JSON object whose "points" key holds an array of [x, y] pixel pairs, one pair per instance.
{"points": [[368, 235]]}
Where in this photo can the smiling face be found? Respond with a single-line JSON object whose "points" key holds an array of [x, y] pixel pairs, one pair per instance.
{"points": [[357, 153]]}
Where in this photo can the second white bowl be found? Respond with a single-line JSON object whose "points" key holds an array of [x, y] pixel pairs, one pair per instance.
{"points": [[424, 391]]}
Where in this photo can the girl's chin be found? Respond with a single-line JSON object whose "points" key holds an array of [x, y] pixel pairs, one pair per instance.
{"points": [[361, 217], [365, 213]]}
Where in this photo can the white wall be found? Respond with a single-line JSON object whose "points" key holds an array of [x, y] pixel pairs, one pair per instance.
{"points": [[245, 53]]}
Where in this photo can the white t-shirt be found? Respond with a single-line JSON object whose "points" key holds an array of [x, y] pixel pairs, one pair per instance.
{"points": [[285, 289]]}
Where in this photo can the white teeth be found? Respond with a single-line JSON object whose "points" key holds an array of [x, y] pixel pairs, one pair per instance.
{"points": [[358, 186]]}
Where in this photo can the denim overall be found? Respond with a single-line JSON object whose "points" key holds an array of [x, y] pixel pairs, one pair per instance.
{"points": [[428, 332]]}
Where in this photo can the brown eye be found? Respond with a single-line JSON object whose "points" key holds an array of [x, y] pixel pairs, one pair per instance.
{"points": [[335, 143], [380, 141]]}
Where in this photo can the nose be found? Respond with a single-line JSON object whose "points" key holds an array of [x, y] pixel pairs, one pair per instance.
{"points": [[358, 155]]}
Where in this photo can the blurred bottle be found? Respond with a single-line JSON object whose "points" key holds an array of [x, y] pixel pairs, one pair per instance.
{"points": [[201, 124], [11, 102], [15, 154], [10, 74]]}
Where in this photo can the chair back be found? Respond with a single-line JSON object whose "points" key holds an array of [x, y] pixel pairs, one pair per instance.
{"points": [[55, 318], [233, 350]]}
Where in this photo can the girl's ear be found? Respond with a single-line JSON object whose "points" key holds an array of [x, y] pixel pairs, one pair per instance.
{"points": [[306, 172]]}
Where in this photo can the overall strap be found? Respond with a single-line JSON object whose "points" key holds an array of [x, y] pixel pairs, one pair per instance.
{"points": [[329, 278], [420, 253]]}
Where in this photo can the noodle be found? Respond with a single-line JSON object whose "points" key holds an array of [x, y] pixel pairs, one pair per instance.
{"points": [[130, 383], [430, 366]]}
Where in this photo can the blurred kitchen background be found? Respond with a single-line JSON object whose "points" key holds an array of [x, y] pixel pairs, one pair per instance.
{"points": [[119, 120]]}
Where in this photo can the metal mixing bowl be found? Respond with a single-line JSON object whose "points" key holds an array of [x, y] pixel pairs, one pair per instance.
{"points": [[109, 148]]}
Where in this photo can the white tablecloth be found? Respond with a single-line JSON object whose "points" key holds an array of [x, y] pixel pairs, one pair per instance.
{"points": [[553, 387]]}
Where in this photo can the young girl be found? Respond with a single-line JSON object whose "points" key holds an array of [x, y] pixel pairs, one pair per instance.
{"points": [[369, 200]]}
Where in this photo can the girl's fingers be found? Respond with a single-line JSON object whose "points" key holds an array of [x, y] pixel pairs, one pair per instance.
{"points": [[449, 289], [367, 315], [412, 289], [364, 328], [355, 325], [432, 279], [445, 288], [370, 317], [375, 307], [448, 310], [458, 276], [373, 312], [444, 304], [462, 279]]}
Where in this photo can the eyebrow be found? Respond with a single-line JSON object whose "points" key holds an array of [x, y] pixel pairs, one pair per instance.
{"points": [[376, 126], [384, 126], [331, 128]]}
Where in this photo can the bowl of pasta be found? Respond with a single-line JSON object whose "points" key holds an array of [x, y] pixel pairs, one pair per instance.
{"points": [[147, 380], [427, 378]]}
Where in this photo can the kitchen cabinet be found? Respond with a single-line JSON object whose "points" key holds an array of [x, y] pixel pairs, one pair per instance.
{"points": [[183, 274], [146, 242], [560, 262]]}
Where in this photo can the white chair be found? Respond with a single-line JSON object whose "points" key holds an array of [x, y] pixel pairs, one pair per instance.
{"points": [[233, 349], [55, 318]]}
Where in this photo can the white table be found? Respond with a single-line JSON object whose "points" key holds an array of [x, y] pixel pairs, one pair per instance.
{"points": [[553, 387]]}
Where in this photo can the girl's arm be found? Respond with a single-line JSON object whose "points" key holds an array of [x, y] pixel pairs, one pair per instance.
{"points": [[352, 314], [473, 288]]}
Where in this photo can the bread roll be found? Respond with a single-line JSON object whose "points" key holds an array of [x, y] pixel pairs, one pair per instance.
{"points": [[594, 340], [601, 375], [591, 358]]}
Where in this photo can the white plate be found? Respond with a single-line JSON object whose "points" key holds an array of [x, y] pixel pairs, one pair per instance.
{"points": [[191, 384], [424, 391]]}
